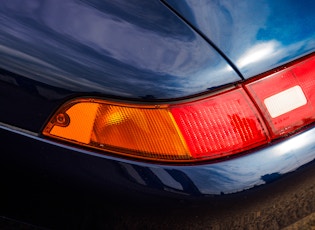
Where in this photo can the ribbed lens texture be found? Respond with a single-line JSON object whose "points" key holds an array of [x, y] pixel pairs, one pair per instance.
{"points": [[305, 74], [81, 117], [220, 125], [297, 108], [144, 132]]}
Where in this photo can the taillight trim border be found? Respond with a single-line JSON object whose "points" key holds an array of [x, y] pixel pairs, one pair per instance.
{"points": [[259, 110]]}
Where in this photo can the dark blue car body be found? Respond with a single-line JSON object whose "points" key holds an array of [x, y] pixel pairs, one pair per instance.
{"points": [[153, 51]]}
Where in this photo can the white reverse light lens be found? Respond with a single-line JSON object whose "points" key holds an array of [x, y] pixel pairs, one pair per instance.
{"points": [[285, 101]]}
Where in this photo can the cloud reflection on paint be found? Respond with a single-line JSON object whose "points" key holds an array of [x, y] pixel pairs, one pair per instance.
{"points": [[259, 52], [247, 172], [255, 35], [81, 47]]}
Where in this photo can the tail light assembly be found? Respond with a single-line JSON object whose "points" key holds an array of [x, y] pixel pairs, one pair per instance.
{"points": [[237, 119]]}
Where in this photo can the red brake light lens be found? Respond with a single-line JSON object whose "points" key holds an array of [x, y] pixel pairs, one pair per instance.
{"points": [[221, 125]]}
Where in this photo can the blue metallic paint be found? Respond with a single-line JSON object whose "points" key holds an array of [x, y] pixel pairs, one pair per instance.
{"points": [[252, 170], [110, 47], [55, 50], [255, 35]]}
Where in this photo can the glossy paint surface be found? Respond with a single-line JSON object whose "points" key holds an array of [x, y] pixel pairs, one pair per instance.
{"points": [[255, 35], [233, 176], [114, 48], [266, 185]]}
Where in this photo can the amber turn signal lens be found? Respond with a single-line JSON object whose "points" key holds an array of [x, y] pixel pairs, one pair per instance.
{"points": [[209, 128], [142, 131]]}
